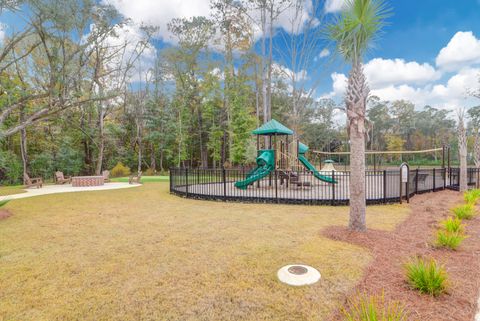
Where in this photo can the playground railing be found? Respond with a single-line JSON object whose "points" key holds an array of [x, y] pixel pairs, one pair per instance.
{"points": [[304, 188]]}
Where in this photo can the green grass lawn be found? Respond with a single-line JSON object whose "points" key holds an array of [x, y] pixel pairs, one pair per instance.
{"points": [[143, 254], [11, 190], [145, 179]]}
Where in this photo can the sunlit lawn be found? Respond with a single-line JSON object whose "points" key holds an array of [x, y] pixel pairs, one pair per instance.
{"points": [[11, 190], [142, 254], [145, 179]]}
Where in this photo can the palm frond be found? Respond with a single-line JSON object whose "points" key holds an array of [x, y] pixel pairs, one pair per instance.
{"points": [[358, 26]]}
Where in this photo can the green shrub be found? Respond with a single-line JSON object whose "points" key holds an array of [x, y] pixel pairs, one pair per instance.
{"points": [[464, 212], [472, 197], [120, 170], [426, 277], [373, 308], [11, 168], [451, 240], [150, 172], [453, 225]]}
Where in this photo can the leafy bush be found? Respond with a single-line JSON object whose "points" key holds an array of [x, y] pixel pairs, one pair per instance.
{"points": [[150, 172], [11, 168], [426, 276], [472, 197], [453, 225], [373, 308], [451, 240], [464, 212], [120, 170], [42, 166]]}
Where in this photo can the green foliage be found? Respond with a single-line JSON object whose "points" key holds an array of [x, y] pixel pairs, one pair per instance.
{"points": [[69, 160], [42, 165], [426, 276], [149, 172], [358, 25], [472, 196], [373, 308], [451, 240], [453, 225], [11, 169], [120, 170], [464, 212]]}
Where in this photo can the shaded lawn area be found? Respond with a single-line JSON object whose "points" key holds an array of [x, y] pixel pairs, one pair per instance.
{"points": [[11, 190], [145, 179], [143, 254]]}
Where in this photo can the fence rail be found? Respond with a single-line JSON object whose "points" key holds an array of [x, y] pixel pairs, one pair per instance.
{"points": [[381, 186]]}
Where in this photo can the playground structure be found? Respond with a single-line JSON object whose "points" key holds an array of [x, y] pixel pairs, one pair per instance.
{"points": [[283, 174], [282, 155]]}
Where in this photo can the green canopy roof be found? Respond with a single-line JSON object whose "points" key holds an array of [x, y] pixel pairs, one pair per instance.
{"points": [[273, 127]]}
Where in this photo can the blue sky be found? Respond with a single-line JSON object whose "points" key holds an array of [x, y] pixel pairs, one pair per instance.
{"points": [[429, 53]]}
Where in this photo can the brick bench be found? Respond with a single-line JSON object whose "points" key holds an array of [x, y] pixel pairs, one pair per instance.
{"points": [[86, 181]]}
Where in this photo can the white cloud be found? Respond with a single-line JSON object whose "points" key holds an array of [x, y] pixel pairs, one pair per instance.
{"points": [[324, 53], [287, 74], [383, 72], [463, 50], [334, 5], [161, 12]]}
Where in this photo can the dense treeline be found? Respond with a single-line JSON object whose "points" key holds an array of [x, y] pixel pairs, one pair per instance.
{"points": [[78, 96]]}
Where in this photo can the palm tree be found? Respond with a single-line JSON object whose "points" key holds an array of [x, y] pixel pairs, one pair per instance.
{"points": [[354, 33]]}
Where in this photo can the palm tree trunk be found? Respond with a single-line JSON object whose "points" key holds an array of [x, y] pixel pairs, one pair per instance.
{"points": [[356, 99], [462, 149]]}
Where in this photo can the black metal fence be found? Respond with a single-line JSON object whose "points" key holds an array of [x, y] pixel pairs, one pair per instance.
{"points": [[381, 186]]}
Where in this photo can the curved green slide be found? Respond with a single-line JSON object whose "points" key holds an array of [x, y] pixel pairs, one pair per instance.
{"points": [[265, 165], [302, 149]]}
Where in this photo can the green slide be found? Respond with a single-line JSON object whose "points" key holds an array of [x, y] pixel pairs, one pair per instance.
{"points": [[302, 149], [265, 165]]}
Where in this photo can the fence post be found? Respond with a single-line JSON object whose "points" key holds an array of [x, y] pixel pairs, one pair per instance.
{"points": [[186, 182], [333, 188], [384, 186], [170, 178], [224, 179], [434, 185], [444, 178], [416, 181]]}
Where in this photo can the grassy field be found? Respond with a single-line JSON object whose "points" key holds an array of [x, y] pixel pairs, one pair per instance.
{"points": [[143, 254], [11, 190]]}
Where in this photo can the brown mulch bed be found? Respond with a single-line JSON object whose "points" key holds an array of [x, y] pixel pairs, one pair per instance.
{"points": [[4, 214], [414, 237]]}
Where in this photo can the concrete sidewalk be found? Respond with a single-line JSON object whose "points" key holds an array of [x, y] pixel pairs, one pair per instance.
{"points": [[67, 188]]}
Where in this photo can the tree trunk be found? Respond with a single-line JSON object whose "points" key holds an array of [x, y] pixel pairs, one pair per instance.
{"points": [[153, 161], [357, 94], [101, 140], [462, 149], [476, 149], [23, 144]]}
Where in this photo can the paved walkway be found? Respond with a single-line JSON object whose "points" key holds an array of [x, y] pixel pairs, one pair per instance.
{"points": [[67, 188]]}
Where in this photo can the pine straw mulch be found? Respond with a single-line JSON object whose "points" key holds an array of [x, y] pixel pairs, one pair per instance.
{"points": [[414, 237], [4, 214]]}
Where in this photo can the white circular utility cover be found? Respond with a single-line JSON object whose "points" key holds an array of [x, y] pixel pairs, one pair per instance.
{"points": [[298, 275]]}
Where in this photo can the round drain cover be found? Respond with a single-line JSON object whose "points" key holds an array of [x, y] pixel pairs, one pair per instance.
{"points": [[298, 275]]}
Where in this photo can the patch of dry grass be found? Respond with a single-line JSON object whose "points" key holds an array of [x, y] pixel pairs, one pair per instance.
{"points": [[142, 254]]}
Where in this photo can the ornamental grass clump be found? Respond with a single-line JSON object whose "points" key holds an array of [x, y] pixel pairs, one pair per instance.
{"points": [[426, 276], [450, 240], [472, 197], [453, 225], [464, 212], [373, 308]]}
